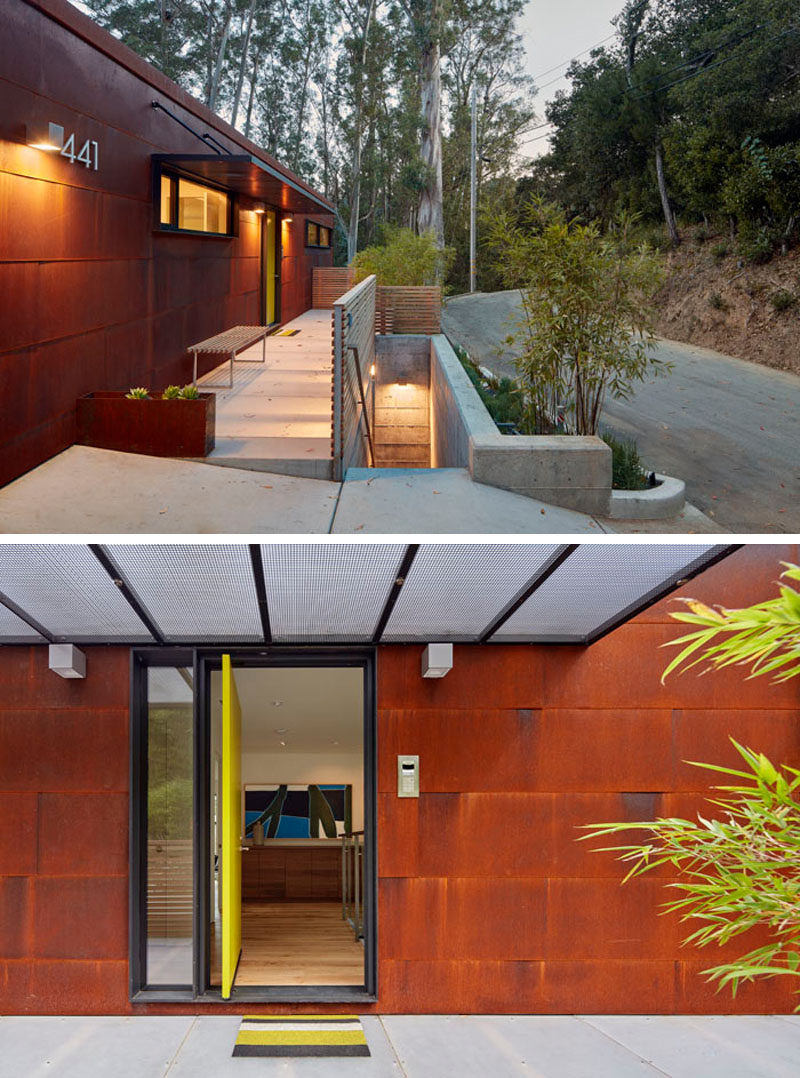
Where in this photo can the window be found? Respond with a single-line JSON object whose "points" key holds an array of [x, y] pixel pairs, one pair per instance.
{"points": [[317, 235], [187, 206]]}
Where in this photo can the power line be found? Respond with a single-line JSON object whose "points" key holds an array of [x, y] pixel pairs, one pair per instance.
{"points": [[577, 56]]}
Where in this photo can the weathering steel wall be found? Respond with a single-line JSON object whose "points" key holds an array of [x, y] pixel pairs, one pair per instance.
{"points": [[91, 295], [486, 902]]}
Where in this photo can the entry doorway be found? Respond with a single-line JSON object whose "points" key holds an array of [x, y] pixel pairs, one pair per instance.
{"points": [[289, 876], [270, 277]]}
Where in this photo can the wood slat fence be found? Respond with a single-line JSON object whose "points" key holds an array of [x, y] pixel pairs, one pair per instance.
{"points": [[353, 396], [399, 308]]}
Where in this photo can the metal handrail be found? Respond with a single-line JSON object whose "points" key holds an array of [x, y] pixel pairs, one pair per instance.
{"points": [[353, 881], [364, 411]]}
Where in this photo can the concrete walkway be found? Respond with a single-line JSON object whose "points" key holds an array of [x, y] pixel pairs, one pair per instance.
{"points": [[416, 1046], [97, 491], [278, 411]]}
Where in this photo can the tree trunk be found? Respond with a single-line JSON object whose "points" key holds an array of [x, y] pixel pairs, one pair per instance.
{"points": [[355, 190], [223, 45], [251, 98], [240, 79], [669, 216], [431, 213]]}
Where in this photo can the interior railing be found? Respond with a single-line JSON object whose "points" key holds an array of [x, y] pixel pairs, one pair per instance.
{"points": [[353, 881]]}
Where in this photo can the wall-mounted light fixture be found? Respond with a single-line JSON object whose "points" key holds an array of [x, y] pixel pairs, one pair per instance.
{"points": [[67, 661], [45, 136], [437, 660], [259, 210], [372, 371], [288, 220]]}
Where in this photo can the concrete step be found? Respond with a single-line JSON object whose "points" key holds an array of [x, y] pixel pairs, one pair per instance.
{"points": [[259, 448]]}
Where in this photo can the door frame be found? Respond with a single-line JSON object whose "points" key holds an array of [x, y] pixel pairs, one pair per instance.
{"points": [[203, 661]]}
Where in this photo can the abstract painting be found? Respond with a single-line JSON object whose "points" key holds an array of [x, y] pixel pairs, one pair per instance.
{"points": [[320, 810]]}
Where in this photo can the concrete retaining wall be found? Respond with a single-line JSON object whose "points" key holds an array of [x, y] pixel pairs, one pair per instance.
{"points": [[570, 471]]}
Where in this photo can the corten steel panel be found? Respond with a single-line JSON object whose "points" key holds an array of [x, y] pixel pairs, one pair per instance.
{"points": [[500, 676], [93, 260], [775, 733], [18, 834], [15, 384], [610, 986], [77, 987], [64, 749], [27, 682], [80, 917], [83, 834], [15, 916], [473, 987]]}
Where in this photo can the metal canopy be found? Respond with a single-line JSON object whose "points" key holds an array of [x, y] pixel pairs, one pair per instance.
{"points": [[247, 175], [210, 594]]}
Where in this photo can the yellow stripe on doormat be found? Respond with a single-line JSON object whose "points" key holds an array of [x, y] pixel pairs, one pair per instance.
{"points": [[301, 1035]]}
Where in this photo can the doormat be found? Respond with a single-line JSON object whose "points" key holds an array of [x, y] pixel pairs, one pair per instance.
{"points": [[288, 333], [301, 1035]]}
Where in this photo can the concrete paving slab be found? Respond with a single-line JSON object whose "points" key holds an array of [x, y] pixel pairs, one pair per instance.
{"points": [[97, 491], [445, 501], [474, 1046], [207, 1051], [719, 1046], [93, 1047]]}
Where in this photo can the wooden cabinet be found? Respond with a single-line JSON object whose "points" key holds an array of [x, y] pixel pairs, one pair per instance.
{"points": [[283, 873]]}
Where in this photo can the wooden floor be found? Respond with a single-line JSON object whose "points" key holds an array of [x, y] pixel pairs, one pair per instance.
{"points": [[294, 943]]}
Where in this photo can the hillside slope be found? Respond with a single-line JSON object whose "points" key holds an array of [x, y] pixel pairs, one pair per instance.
{"points": [[743, 310]]}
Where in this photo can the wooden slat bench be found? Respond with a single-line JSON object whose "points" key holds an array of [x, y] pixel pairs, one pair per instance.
{"points": [[230, 342]]}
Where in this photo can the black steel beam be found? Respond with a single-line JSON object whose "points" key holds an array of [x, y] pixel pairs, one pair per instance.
{"points": [[127, 592], [533, 585], [23, 615], [661, 591], [257, 564], [394, 591]]}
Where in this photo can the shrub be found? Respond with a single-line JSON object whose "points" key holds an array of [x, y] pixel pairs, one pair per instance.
{"points": [[404, 259], [587, 318], [716, 301], [783, 299], [719, 251], [627, 470], [756, 244]]}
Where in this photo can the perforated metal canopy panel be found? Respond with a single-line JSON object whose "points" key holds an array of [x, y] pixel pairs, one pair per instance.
{"points": [[15, 630], [321, 592], [455, 592], [595, 585], [333, 593], [65, 589], [204, 592]]}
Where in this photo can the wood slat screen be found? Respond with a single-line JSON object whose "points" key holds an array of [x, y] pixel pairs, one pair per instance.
{"points": [[399, 308], [170, 888], [328, 283], [354, 327], [409, 309]]}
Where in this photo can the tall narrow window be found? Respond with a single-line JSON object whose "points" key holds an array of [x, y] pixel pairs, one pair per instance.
{"points": [[170, 786]]}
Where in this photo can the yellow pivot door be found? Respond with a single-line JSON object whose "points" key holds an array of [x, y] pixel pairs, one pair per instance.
{"points": [[231, 912], [269, 263]]}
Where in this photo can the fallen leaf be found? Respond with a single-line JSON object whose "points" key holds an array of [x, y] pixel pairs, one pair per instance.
{"points": [[542, 512], [437, 492], [359, 528], [266, 486], [163, 510], [760, 428]]}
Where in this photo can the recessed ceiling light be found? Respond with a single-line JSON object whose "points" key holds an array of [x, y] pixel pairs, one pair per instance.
{"points": [[277, 703], [283, 743]]}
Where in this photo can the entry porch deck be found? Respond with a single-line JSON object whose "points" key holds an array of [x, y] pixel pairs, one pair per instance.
{"points": [[277, 415]]}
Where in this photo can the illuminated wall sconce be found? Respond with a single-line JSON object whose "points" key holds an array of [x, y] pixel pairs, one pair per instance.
{"points": [[437, 660], [259, 210], [403, 383], [372, 371], [288, 220], [45, 136], [67, 661]]}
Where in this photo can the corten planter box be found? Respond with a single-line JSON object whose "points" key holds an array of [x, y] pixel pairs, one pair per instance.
{"points": [[158, 427]]}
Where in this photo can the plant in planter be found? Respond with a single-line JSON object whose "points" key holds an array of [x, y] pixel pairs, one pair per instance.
{"points": [[177, 423]]}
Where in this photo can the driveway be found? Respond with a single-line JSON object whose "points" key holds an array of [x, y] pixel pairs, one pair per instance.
{"points": [[729, 428]]}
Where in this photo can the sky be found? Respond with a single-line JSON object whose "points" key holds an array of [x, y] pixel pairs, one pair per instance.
{"points": [[554, 31]]}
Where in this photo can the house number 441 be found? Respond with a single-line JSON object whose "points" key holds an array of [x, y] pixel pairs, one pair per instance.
{"points": [[87, 155]]}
